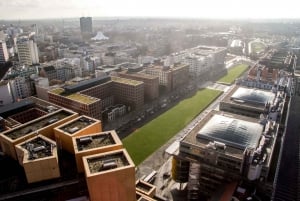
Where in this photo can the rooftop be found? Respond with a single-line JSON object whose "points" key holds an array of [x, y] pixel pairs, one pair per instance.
{"points": [[75, 96], [231, 131], [222, 132], [95, 141], [107, 161], [20, 106], [86, 84], [36, 125], [126, 81], [38, 148], [252, 96], [77, 124]]}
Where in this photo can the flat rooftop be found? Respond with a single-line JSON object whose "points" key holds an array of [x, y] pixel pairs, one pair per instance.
{"points": [[75, 96], [95, 141], [12, 108], [126, 81], [38, 148], [77, 125], [38, 124], [200, 136], [107, 161]]}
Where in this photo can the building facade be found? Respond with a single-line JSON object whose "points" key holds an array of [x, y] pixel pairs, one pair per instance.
{"points": [[151, 83], [3, 52], [27, 51]]}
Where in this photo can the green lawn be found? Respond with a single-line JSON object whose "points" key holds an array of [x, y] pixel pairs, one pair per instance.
{"points": [[233, 73], [257, 47], [145, 140]]}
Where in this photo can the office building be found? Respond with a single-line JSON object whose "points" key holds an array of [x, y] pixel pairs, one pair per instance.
{"points": [[20, 88], [94, 143], [53, 145], [80, 103], [91, 97], [248, 101], [43, 126], [170, 77], [38, 156], [80, 126], [6, 93], [3, 52], [110, 176], [151, 84], [27, 51], [86, 27], [128, 92], [26, 110], [224, 148], [206, 61], [228, 148]]}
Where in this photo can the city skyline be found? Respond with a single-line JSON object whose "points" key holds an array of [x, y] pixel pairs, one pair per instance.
{"points": [[231, 9]]}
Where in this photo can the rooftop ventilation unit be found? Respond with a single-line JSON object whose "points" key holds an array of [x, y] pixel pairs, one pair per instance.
{"points": [[108, 164], [85, 140], [52, 120], [39, 148], [73, 130]]}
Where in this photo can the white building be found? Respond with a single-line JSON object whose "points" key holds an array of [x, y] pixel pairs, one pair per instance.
{"points": [[201, 59], [198, 64], [6, 95], [20, 88], [27, 51], [3, 52]]}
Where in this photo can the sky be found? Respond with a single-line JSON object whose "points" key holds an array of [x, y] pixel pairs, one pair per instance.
{"points": [[224, 9]]}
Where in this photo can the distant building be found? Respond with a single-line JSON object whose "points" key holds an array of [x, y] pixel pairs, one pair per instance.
{"points": [[151, 83], [86, 26], [27, 51], [202, 60], [170, 77]]}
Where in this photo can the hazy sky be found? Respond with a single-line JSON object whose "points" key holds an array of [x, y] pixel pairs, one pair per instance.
{"points": [[31, 9]]}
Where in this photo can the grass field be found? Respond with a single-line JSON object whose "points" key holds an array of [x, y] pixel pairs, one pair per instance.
{"points": [[145, 140], [233, 73], [257, 47]]}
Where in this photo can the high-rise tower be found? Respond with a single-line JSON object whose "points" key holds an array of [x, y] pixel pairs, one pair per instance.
{"points": [[86, 26]]}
